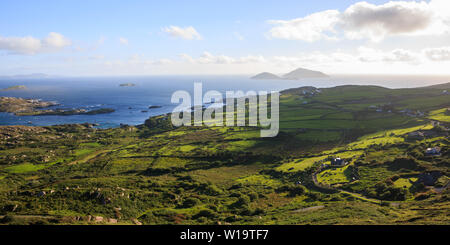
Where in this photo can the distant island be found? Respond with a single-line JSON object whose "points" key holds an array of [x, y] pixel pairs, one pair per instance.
{"points": [[31, 107], [154, 107], [266, 76], [17, 87], [127, 85], [297, 74], [304, 73]]}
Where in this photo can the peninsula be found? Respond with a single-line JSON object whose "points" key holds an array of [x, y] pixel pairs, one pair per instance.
{"points": [[35, 107], [17, 87]]}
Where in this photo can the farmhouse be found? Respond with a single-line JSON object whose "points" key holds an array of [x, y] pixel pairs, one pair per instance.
{"points": [[433, 151], [338, 162], [429, 178]]}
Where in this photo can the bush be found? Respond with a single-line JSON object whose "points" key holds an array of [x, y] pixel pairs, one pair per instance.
{"points": [[253, 196], [210, 189], [6, 219], [314, 196], [385, 204], [190, 202], [297, 190], [422, 196], [387, 191], [294, 190], [207, 213], [258, 211]]}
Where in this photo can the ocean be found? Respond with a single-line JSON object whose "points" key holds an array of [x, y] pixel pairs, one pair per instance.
{"points": [[130, 102]]}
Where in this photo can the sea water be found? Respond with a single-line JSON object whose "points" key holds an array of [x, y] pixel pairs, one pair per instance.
{"points": [[131, 104]]}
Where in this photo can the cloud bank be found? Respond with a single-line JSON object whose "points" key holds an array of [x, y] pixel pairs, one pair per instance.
{"points": [[363, 20], [188, 33], [123, 41], [30, 45]]}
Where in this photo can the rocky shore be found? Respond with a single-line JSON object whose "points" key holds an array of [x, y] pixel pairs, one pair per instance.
{"points": [[33, 107]]}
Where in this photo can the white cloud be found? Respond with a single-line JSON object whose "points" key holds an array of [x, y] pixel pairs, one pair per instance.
{"points": [[56, 40], [162, 62], [208, 58], [238, 36], [30, 45], [101, 40], [137, 61], [123, 41], [363, 20], [188, 33], [394, 56], [310, 28], [438, 54], [96, 57], [401, 55], [363, 55]]}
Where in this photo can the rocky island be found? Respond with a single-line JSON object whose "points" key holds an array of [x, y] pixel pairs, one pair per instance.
{"points": [[34, 107], [127, 85], [266, 76], [297, 74], [17, 87], [304, 73]]}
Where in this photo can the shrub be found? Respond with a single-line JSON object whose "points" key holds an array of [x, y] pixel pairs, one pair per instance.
{"points": [[293, 190], [422, 196], [190, 202], [207, 213]]}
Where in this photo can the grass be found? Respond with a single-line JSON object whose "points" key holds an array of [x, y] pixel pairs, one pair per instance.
{"points": [[405, 182], [397, 132], [83, 152], [319, 136], [350, 154], [369, 176], [440, 115], [334, 176], [299, 164], [362, 144], [187, 148], [241, 145], [169, 162], [26, 168], [263, 180], [386, 137], [226, 175]]}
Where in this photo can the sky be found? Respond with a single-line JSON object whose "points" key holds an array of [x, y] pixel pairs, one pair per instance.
{"points": [[212, 37]]}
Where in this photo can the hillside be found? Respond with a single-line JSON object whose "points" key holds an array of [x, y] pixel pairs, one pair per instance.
{"points": [[304, 73], [394, 143]]}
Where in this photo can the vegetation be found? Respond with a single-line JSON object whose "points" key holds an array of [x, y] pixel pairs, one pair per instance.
{"points": [[158, 174]]}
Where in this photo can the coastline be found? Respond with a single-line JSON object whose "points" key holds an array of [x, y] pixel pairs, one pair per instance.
{"points": [[154, 91]]}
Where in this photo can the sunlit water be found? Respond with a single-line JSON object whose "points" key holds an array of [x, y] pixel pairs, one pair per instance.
{"points": [[129, 102]]}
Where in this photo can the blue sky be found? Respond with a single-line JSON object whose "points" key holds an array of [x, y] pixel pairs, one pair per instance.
{"points": [[221, 37]]}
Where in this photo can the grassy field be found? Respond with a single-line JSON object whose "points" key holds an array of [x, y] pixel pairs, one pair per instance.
{"points": [[441, 115]]}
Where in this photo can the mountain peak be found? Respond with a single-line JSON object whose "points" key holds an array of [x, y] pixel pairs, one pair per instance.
{"points": [[303, 73]]}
